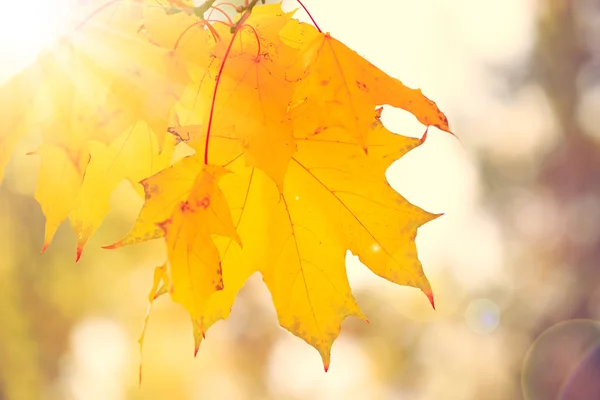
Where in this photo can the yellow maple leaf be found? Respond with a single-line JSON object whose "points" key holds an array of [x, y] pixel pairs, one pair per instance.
{"points": [[69, 114], [335, 198], [60, 177], [194, 261], [166, 189], [296, 221], [290, 156], [135, 155]]}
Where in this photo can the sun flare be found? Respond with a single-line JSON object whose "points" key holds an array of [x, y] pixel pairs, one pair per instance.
{"points": [[26, 28]]}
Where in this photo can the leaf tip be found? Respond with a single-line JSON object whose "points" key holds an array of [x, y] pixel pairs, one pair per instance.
{"points": [[45, 247], [431, 299], [197, 346], [112, 246], [326, 357], [424, 137], [359, 314], [78, 255], [198, 336]]}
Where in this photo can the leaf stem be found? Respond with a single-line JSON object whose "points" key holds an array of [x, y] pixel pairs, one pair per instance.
{"points": [[257, 38], [201, 22], [310, 16], [235, 29]]}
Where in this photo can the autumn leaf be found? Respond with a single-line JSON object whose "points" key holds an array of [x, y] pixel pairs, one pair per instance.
{"points": [[59, 182], [335, 198], [134, 155], [194, 261], [287, 165], [165, 190]]}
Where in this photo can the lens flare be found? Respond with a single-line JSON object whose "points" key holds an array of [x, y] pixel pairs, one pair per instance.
{"points": [[482, 316], [564, 362]]}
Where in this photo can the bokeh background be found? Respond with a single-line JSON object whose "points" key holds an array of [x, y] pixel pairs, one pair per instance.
{"points": [[514, 263]]}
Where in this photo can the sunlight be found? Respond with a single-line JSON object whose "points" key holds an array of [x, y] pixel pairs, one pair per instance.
{"points": [[26, 28]]}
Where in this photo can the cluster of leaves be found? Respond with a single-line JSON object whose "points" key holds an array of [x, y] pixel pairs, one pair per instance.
{"points": [[288, 165]]}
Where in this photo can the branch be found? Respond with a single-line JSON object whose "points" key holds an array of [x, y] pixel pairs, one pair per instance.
{"points": [[247, 9]]}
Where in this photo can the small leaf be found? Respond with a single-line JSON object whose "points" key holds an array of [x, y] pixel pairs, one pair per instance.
{"points": [[194, 261]]}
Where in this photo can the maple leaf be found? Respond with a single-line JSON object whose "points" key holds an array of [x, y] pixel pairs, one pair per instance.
{"points": [[335, 198], [290, 155], [89, 92], [296, 212], [134, 155], [59, 182], [68, 119], [194, 260], [165, 190]]}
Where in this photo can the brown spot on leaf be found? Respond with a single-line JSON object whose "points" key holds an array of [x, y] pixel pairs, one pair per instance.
{"points": [[205, 202], [184, 207], [362, 86]]}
